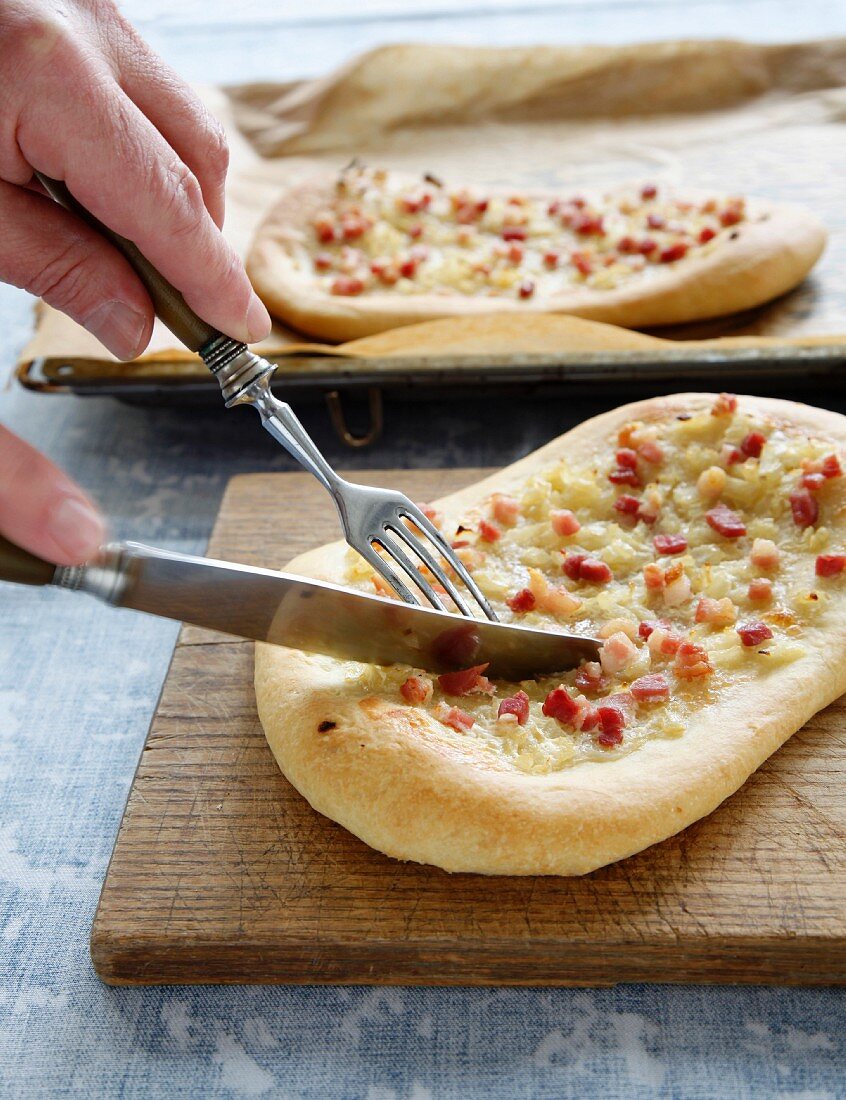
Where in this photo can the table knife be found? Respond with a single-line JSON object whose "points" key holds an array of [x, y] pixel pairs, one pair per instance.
{"points": [[304, 614]]}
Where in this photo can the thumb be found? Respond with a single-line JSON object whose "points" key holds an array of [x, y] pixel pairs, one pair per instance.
{"points": [[41, 509], [56, 256]]}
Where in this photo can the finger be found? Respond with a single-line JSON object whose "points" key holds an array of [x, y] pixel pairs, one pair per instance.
{"points": [[41, 509], [176, 112], [122, 169], [57, 257]]}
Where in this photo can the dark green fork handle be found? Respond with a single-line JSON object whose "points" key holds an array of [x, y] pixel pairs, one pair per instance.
{"points": [[20, 566]]}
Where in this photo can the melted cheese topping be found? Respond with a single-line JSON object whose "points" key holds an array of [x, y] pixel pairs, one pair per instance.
{"points": [[381, 234], [682, 488]]}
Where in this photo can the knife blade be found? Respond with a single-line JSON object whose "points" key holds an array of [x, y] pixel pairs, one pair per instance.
{"points": [[316, 616]]}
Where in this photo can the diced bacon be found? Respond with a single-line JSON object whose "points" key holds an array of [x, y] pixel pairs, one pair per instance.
{"points": [[413, 204], [554, 599], [812, 481], [651, 451], [323, 261], [663, 642], [551, 259], [730, 455], [648, 191], [595, 571], [647, 246], [521, 601], [627, 505], [456, 718], [753, 633], [830, 565], [354, 226], [650, 507], [572, 565], [725, 405], [732, 213], [706, 234], [655, 221], [513, 233], [465, 681], [616, 653], [674, 252], [676, 591], [588, 225], [752, 444], [515, 252], [347, 286], [489, 532], [649, 626], [764, 554], [651, 689], [716, 612], [624, 475], [526, 289], [505, 509], [386, 271], [465, 236], [614, 714], [691, 662], [711, 482], [589, 678], [417, 690], [669, 544], [627, 458], [805, 509], [561, 706], [518, 705], [627, 245], [459, 645], [726, 522], [564, 522], [760, 590], [324, 227], [653, 577], [831, 466], [581, 262]]}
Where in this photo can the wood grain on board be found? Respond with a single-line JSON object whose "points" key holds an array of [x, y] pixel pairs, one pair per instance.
{"points": [[223, 873]]}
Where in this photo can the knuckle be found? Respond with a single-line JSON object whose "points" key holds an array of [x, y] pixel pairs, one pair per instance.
{"points": [[216, 148], [183, 201], [65, 280]]}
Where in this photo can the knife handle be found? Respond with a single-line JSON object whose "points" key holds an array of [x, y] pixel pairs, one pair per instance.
{"points": [[168, 303], [21, 567]]}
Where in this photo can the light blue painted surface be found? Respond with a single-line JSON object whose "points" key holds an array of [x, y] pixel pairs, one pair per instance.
{"points": [[79, 683]]}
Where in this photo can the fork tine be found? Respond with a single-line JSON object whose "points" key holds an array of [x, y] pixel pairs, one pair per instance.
{"points": [[421, 550], [407, 565], [425, 524], [384, 570]]}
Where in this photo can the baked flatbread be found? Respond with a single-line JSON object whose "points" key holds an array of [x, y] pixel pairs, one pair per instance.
{"points": [[346, 256], [703, 538]]}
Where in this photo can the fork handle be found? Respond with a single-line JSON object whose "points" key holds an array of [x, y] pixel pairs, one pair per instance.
{"points": [[168, 303], [21, 567]]}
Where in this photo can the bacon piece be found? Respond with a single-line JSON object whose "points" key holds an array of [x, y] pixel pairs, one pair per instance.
{"points": [[323, 261], [677, 591], [648, 191], [760, 590], [651, 689], [616, 653], [551, 259], [626, 458], [663, 642], [417, 690], [691, 662], [459, 645], [526, 289], [347, 286], [589, 678], [754, 632], [595, 571], [725, 522], [729, 455], [653, 577], [675, 251], [805, 509], [646, 246], [830, 565], [564, 522], [513, 233], [554, 599], [457, 719], [627, 505], [386, 271], [625, 475], [732, 213], [716, 612], [588, 225], [651, 451], [669, 544], [725, 405], [650, 507], [489, 532], [752, 444], [561, 706], [521, 601], [706, 234], [614, 714], [648, 626], [465, 681], [581, 262], [572, 565], [831, 466], [764, 554], [518, 705], [812, 480], [324, 227], [505, 509], [656, 221]]}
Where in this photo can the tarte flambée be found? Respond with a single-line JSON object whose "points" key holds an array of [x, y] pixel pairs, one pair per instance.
{"points": [[702, 537], [344, 256]]}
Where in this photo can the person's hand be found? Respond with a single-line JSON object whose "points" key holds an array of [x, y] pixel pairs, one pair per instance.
{"points": [[83, 99], [41, 509]]}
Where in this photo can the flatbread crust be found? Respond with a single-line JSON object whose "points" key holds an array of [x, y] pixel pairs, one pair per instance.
{"points": [[770, 253], [392, 777]]}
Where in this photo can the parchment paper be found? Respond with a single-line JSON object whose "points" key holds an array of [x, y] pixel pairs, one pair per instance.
{"points": [[728, 116]]}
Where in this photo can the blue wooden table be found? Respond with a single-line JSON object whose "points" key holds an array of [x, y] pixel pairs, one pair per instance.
{"points": [[79, 683]]}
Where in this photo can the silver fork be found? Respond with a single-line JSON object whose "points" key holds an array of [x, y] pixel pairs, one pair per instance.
{"points": [[370, 517]]}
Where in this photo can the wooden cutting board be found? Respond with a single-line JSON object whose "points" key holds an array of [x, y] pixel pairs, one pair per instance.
{"points": [[223, 873]]}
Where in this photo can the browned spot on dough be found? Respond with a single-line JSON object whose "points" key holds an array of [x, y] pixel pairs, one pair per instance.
{"points": [[326, 725]]}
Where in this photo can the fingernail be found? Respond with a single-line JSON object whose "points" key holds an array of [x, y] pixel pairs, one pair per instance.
{"points": [[119, 327], [258, 319], [75, 528]]}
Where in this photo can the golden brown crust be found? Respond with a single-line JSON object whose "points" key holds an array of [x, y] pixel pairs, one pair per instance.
{"points": [[771, 251], [392, 776]]}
